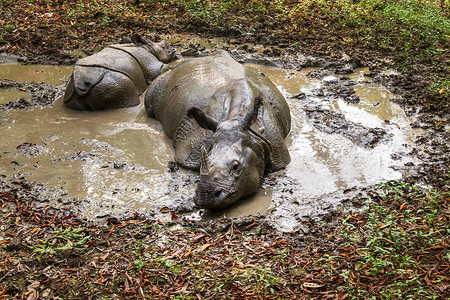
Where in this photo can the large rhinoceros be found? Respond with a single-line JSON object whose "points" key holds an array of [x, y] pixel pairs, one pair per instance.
{"points": [[117, 75], [225, 119]]}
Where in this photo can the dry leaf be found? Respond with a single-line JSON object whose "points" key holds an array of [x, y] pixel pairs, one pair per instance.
{"points": [[204, 247], [312, 285]]}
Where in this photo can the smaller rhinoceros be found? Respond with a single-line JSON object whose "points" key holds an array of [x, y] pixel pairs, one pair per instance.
{"points": [[117, 75]]}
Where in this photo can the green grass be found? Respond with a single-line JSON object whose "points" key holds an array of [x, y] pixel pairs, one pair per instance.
{"points": [[411, 26], [440, 87], [405, 229], [69, 238]]}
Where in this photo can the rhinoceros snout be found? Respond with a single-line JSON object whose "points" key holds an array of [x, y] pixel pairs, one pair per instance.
{"points": [[209, 195]]}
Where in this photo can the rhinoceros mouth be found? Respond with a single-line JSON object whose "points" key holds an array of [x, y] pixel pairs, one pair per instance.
{"points": [[216, 200]]}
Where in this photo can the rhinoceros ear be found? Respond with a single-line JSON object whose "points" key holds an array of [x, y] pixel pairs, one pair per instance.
{"points": [[126, 40], [138, 40], [202, 118], [251, 115]]}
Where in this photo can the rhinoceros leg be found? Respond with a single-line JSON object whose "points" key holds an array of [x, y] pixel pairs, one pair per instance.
{"points": [[188, 140], [71, 99], [114, 91]]}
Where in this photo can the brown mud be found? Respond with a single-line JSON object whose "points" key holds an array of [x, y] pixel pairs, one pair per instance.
{"points": [[346, 134]]}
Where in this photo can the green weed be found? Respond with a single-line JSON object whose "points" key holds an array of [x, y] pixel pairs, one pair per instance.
{"points": [[403, 225], [70, 238]]}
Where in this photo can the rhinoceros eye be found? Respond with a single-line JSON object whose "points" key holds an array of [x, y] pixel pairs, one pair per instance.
{"points": [[235, 166]]}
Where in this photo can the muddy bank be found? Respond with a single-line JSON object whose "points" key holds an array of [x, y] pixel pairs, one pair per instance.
{"points": [[348, 134], [153, 254], [51, 253]]}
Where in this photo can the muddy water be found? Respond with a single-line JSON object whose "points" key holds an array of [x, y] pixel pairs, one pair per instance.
{"points": [[212, 43], [51, 75], [8, 95], [116, 162]]}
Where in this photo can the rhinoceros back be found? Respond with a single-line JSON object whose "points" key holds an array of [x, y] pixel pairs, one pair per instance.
{"points": [[192, 83], [116, 60], [221, 87], [149, 64]]}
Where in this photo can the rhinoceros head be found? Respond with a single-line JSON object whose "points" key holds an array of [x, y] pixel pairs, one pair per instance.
{"points": [[161, 50], [234, 165]]}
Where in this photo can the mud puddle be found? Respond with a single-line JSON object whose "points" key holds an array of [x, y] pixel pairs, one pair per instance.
{"points": [[114, 162], [346, 134], [8, 95], [50, 75]]}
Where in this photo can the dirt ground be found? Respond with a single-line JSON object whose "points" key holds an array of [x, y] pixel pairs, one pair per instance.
{"points": [[49, 253]]}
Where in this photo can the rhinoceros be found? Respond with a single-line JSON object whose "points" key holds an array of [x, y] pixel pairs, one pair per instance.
{"points": [[226, 120], [117, 75]]}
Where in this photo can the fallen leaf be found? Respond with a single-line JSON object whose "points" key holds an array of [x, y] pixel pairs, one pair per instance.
{"points": [[111, 231], [312, 285], [174, 216], [129, 277], [204, 247]]}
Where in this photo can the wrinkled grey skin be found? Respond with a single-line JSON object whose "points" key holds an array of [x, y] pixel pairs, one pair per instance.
{"points": [[117, 75], [225, 119]]}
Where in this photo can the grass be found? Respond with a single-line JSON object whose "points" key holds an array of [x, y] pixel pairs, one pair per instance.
{"points": [[410, 26], [67, 239], [416, 27], [405, 229]]}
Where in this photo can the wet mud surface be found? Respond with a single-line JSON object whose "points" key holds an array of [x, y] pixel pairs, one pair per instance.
{"points": [[24, 86], [348, 134]]}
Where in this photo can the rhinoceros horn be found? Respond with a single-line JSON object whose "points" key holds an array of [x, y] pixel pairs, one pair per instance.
{"points": [[204, 170]]}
